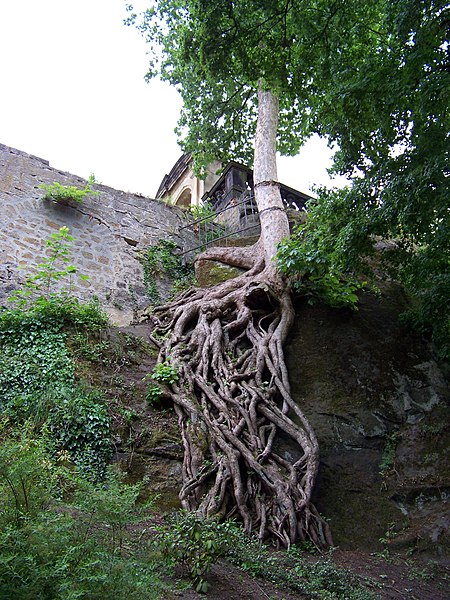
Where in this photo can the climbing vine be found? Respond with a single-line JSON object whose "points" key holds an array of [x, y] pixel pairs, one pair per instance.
{"points": [[161, 260], [38, 385]]}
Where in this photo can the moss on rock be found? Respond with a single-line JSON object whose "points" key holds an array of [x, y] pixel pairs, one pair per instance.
{"points": [[211, 272]]}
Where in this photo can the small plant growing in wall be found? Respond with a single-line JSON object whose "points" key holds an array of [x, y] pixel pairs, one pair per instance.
{"points": [[204, 212], [162, 373], [161, 259], [206, 225], [153, 395], [64, 194], [49, 272], [388, 456]]}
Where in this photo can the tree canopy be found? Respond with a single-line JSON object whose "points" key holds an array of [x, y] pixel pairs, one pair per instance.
{"points": [[387, 109], [216, 51], [373, 77]]}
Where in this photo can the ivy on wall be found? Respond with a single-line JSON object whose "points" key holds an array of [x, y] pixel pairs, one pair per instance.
{"points": [[161, 260]]}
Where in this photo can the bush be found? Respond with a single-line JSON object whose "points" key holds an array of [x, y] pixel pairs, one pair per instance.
{"points": [[314, 272], [33, 359], [26, 475], [37, 378], [55, 549], [63, 193], [195, 542], [79, 423]]}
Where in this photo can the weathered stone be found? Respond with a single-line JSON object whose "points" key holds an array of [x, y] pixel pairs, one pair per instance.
{"points": [[9, 211], [108, 229], [377, 401]]}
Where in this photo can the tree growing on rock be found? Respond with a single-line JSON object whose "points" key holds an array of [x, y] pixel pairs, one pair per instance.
{"points": [[245, 69]]}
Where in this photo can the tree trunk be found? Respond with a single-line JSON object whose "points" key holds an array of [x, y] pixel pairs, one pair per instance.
{"points": [[232, 396], [274, 222]]}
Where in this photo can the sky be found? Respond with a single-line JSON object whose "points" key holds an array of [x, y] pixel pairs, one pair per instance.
{"points": [[72, 91]]}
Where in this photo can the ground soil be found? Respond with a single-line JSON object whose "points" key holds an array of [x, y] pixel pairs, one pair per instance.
{"points": [[394, 579], [397, 577]]}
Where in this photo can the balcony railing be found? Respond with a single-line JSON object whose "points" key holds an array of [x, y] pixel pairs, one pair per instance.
{"points": [[235, 211], [238, 219]]}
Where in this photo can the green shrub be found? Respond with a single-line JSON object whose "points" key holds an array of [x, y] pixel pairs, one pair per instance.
{"points": [[204, 212], [33, 359], [91, 350], [320, 578], [79, 423], [33, 351], [61, 549], [26, 475], [195, 542], [37, 378], [165, 373], [88, 316], [112, 504], [63, 193]]}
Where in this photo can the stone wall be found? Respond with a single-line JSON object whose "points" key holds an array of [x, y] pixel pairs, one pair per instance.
{"points": [[111, 230]]}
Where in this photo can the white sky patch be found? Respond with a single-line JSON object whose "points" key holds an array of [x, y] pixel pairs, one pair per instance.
{"points": [[73, 92]]}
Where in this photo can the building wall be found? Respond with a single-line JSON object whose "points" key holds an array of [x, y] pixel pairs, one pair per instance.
{"points": [[187, 190], [111, 230]]}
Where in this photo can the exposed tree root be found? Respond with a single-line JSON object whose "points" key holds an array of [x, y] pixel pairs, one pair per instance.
{"points": [[235, 409]]}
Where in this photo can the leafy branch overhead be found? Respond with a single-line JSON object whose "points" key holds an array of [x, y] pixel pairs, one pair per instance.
{"points": [[217, 54], [385, 105]]}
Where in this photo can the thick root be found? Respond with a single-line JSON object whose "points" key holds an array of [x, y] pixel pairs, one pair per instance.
{"points": [[249, 451]]}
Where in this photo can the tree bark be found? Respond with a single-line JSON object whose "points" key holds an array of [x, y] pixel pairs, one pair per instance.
{"points": [[274, 222]]}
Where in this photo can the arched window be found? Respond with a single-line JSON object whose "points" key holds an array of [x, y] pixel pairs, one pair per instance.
{"points": [[184, 199]]}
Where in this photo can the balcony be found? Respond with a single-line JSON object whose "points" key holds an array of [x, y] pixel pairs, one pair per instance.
{"points": [[234, 214]]}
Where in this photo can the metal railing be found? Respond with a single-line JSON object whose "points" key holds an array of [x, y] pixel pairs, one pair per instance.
{"points": [[238, 217]]}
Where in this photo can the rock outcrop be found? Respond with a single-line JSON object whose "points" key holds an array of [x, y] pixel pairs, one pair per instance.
{"points": [[378, 402]]}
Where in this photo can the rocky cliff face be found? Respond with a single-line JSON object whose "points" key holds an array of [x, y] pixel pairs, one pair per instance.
{"points": [[378, 402]]}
